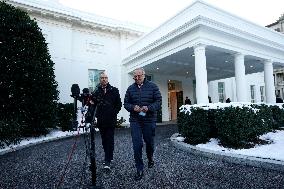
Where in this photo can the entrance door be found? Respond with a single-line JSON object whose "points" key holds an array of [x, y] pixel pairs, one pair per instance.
{"points": [[176, 100], [173, 106], [179, 99]]}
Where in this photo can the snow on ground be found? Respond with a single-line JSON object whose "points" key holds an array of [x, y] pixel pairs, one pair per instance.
{"points": [[272, 151], [55, 134]]}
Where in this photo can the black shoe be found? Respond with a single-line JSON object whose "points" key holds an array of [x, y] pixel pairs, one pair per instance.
{"points": [[150, 163], [138, 175], [106, 161]]}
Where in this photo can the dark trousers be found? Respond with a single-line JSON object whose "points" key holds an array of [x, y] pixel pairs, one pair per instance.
{"points": [[147, 131], [107, 135]]}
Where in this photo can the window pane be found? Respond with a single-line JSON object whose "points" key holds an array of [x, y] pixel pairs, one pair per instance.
{"points": [[262, 93], [221, 91], [252, 93], [94, 78]]}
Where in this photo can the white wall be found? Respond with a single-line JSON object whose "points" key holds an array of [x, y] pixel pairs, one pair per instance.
{"points": [[256, 79], [75, 49]]}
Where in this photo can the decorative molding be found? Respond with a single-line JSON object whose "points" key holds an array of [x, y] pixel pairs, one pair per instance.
{"points": [[199, 46], [198, 22], [72, 16], [192, 24]]}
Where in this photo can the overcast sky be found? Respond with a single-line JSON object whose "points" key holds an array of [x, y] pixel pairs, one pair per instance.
{"points": [[152, 13]]}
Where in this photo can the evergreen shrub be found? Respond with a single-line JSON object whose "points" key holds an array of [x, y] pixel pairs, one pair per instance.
{"points": [[65, 115], [194, 127], [278, 116], [212, 122], [28, 90], [265, 122], [10, 132], [236, 127]]}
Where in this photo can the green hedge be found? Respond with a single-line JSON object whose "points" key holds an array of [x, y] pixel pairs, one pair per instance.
{"points": [[278, 117], [196, 125], [65, 116], [10, 132], [235, 126]]}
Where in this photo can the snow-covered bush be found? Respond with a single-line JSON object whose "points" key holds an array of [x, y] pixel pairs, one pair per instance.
{"points": [[236, 125]]}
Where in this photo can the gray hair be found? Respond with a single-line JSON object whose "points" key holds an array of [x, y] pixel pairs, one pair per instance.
{"points": [[139, 69], [102, 72]]}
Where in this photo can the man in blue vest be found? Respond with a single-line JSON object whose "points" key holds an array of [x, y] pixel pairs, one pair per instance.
{"points": [[142, 100]]}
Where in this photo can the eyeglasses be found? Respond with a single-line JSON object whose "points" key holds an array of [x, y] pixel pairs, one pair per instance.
{"points": [[137, 76]]}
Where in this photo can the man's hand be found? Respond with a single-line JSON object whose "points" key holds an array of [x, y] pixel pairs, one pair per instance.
{"points": [[144, 109], [137, 108]]}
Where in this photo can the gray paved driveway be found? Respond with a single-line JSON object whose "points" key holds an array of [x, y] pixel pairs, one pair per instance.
{"points": [[40, 166]]}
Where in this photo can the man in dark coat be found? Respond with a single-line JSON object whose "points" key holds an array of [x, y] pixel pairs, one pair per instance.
{"points": [[279, 99], [142, 100], [187, 101], [228, 100], [106, 100]]}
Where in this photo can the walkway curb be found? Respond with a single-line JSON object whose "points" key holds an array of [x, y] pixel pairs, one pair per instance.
{"points": [[277, 165], [13, 149]]}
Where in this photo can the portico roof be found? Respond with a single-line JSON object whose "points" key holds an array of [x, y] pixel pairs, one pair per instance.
{"points": [[169, 48]]}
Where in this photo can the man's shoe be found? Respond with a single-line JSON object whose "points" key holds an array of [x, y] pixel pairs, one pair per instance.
{"points": [[150, 163], [106, 165], [138, 175]]}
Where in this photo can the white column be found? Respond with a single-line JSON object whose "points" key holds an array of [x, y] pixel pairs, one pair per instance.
{"points": [[201, 74], [240, 75], [269, 82]]}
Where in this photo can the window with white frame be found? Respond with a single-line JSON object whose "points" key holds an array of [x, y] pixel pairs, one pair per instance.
{"points": [[261, 88], [221, 91], [94, 78], [252, 93]]}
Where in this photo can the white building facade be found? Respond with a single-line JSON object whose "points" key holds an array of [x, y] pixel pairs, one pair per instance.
{"points": [[202, 51], [80, 44]]}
